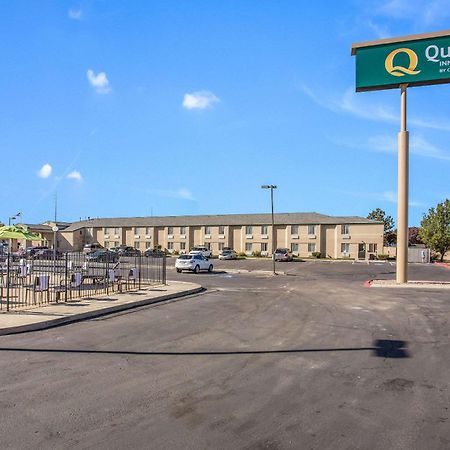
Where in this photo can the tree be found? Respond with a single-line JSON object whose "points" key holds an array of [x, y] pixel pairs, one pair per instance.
{"points": [[389, 233], [414, 236], [435, 228]]}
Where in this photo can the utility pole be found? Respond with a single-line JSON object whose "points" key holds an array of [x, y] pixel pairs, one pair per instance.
{"points": [[272, 187]]}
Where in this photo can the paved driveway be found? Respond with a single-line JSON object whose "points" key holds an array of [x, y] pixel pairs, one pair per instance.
{"points": [[311, 360]]}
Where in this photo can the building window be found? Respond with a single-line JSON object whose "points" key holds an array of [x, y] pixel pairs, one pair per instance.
{"points": [[311, 229], [264, 229], [294, 248], [207, 245], [264, 247], [137, 245], [148, 244], [221, 246], [345, 249], [116, 244], [106, 230], [372, 248], [170, 230], [221, 229], [170, 246], [294, 229], [137, 230], [182, 230], [107, 244], [248, 246], [207, 230], [248, 229], [311, 247], [182, 245], [116, 231], [345, 229], [147, 230]]}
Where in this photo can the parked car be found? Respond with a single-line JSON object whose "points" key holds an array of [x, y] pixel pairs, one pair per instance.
{"points": [[154, 252], [201, 250], [125, 250], [88, 248], [193, 263], [47, 253], [102, 256], [283, 254], [30, 251], [227, 254]]}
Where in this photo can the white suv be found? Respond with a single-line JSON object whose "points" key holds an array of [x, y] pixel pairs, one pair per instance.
{"points": [[201, 250], [194, 263]]}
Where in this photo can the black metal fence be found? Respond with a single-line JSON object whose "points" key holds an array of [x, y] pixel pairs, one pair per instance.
{"points": [[31, 282]]}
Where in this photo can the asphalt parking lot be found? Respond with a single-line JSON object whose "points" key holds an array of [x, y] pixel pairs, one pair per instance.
{"points": [[311, 359]]}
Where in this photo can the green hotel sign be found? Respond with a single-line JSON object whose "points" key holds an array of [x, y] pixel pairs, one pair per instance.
{"points": [[414, 61]]}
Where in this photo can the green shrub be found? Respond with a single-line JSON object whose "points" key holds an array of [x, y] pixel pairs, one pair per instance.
{"points": [[316, 255], [256, 254], [175, 252], [242, 254], [383, 257]]}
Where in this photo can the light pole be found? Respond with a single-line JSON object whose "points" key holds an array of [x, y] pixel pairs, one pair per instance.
{"points": [[8, 271], [16, 216], [272, 187]]}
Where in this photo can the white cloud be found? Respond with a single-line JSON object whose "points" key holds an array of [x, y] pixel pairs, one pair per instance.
{"points": [[355, 104], [45, 171], [420, 12], [418, 145], [181, 193], [380, 31], [75, 14], [391, 197], [75, 175], [199, 100], [100, 81]]}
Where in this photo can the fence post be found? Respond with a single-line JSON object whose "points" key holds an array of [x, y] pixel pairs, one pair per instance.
{"points": [[66, 273], [139, 271], [107, 275], [164, 277]]}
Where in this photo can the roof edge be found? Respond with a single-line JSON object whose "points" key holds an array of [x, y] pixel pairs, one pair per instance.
{"points": [[394, 40]]}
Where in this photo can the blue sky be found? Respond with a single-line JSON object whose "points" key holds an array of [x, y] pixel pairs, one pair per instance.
{"points": [[187, 107]]}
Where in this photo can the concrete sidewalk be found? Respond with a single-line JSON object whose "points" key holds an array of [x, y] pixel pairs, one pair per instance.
{"points": [[39, 318]]}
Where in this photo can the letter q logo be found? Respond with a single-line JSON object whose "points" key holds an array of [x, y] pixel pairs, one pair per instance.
{"points": [[400, 71]]}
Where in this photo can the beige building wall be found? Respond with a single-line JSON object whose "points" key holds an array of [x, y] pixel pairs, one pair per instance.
{"points": [[329, 240]]}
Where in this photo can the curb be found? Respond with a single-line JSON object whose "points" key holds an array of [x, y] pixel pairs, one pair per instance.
{"points": [[93, 314]]}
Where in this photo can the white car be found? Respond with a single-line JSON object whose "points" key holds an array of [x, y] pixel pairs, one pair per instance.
{"points": [[228, 254], [201, 250], [193, 263]]}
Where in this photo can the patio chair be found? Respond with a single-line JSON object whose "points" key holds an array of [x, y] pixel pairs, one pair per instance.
{"points": [[23, 273], [76, 280], [133, 277], [40, 286], [113, 278]]}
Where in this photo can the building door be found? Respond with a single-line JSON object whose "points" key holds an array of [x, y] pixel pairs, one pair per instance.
{"points": [[361, 251]]}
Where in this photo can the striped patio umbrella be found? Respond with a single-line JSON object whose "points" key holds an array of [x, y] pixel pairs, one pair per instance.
{"points": [[15, 232]]}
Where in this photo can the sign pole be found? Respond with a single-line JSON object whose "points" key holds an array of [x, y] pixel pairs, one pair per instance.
{"points": [[402, 192]]}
